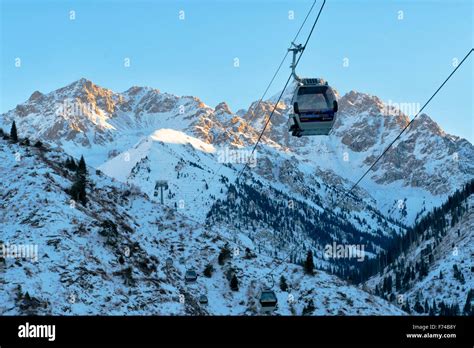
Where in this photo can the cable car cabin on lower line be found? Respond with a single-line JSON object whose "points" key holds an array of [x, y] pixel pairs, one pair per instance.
{"points": [[190, 276], [268, 301], [314, 108]]}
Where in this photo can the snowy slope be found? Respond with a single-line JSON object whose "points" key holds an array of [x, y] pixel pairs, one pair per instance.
{"points": [[199, 187], [185, 162], [454, 249], [108, 257]]}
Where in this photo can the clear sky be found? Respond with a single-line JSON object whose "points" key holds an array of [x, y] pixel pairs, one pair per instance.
{"points": [[401, 60]]}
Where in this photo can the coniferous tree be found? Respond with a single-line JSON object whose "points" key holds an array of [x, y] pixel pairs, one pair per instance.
{"points": [[308, 309], [13, 133], [71, 164], [234, 283], [432, 312], [398, 283], [389, 284], [208, 270], [418, 307], [467, 310], [442, 309], [427, 306], [455, 309], [406, 307], [309, 263], [223, 255], [81, 167], [78, 188], [283, 284]]}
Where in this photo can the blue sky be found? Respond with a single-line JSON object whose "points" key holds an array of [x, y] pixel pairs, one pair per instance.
{"points": [[403, 61]]}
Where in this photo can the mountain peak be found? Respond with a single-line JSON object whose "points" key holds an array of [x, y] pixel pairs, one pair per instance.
{"points": [[35, 96], [134, 90], [81, 82], [84, 85], [359, 98], [427, 122], [223, 107]]}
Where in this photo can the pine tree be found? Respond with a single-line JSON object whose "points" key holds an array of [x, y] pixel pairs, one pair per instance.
{"points": [[432, 312], [398, 283], [78, 188], [81, 168], [309, 264], [467, 310], [13, 133], [308, 309], [389, 284], [208, 270], [234, 283], [418, 307], [442, 309], [283, 284], [434, 307], [71, 164], [223, 255], [406, 307], [455, 309]]}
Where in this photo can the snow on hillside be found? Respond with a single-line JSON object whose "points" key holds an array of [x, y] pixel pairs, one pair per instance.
{"points": [[449, 257], [185, 162], [457, 250], [195, 182], [110, 256], [176, 137]]}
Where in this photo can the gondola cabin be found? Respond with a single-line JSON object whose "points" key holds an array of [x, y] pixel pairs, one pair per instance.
{"points": [[190, 276], [203, 299], [169, 262], [314, 108], [268, 301]]}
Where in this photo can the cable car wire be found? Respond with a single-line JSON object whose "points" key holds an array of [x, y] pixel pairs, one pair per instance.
{"points": [[385, 151], [282, 61], [406, 127], [274, 76], [283, 91]]}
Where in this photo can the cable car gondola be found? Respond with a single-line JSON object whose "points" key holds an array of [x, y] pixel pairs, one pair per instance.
{"points": [[268, 301], [203, 299], [314, 104], [190, 276]]}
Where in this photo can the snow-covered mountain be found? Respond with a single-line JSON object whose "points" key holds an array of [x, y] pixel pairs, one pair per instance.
{"points": [[123, 253], [289, 201], [416, 174]]}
